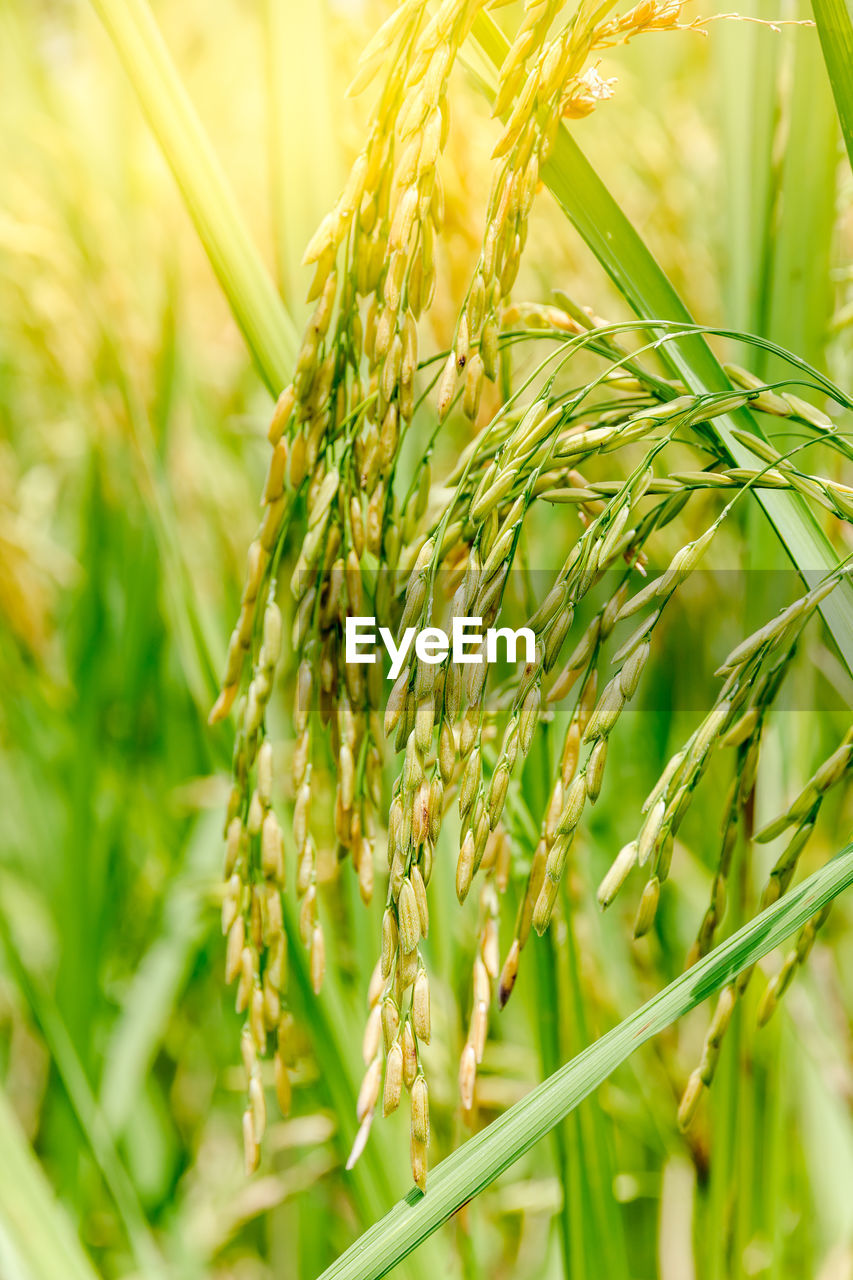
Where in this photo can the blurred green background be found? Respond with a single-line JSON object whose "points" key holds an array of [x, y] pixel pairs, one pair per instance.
{"points": [[132, 450]]}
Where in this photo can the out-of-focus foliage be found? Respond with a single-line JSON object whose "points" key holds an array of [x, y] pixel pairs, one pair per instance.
{"points": [[132, 448]]}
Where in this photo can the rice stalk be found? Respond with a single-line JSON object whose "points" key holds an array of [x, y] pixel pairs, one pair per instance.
{"points": [[407, 546]]}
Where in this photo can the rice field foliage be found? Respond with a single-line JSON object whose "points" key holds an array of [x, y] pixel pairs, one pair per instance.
{"points": [[557, 940]]}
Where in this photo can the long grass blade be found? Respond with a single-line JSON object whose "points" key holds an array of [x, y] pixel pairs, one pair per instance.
{"points": [[258, 309], [36, 1239], [474, 1166], [747, 99], [631, 265], [89, 1116], [834, 20]]}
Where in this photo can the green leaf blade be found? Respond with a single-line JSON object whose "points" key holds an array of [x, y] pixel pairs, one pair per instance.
{"points": [[35, 1228], [259, 311], [835, 28], [471, 1168]]}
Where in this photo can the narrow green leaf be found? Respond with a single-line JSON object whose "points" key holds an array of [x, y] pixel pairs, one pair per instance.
{"points": [[37, 1240], [632, 267], [795, 291], [746, 76], [483, 1158], [258, 309], [835, 28], [92, 1123]]}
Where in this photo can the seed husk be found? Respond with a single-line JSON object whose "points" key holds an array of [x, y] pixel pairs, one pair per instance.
{"points": [[393, 1079], [650, 831], [467, 1077], [251, 1149], [648, 907], [421, 1007], [623, 863], [465, 866], [594, 773], [410, 1055], [420, 1110], [606, 712], [389, 941], [690, 1100], [272, 848], [408, 917], [545, 903], [368, 1094], [317, 959], [573, 806], [417, 1152]]}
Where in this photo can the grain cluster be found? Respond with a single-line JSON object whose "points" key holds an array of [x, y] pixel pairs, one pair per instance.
{"points": [[348, 531]]}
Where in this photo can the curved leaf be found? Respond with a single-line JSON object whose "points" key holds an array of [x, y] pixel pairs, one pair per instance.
{"points": [[258, 310], [835, 28], [475, 1165]]}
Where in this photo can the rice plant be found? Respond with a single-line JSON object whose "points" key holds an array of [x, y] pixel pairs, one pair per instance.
{"points": [[447, 880]]}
